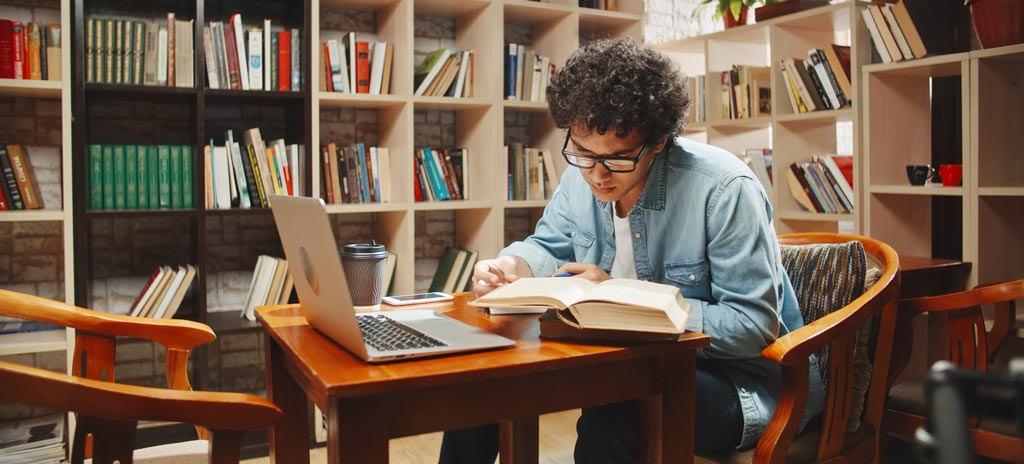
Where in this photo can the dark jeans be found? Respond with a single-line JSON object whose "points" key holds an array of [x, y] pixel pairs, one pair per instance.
{"points": [[607, 433]]}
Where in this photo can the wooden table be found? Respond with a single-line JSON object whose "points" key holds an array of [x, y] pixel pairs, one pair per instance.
{"points": [[366, 405]]}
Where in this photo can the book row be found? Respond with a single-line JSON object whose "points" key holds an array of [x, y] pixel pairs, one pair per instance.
{"points": [[444, 73], [161, 296], [135, 51], [454, 270], [242, 174], [356, 66], [252, 58], [697, 111], [271, 285], [820, 82], [527, 74], [760, 162], [29, 50], [607, 5], [906, 30], [746, 92], [440, 174], [824, 184], [355, 174], [140, 177], [18, 186], [531, 173]]}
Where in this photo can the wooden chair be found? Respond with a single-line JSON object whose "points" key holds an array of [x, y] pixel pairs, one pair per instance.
{"points": [[826, 270], [107, 413], [967, 344]]}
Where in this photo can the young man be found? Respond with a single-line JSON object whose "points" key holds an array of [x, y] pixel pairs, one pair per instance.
{"points": [[639, 202]]}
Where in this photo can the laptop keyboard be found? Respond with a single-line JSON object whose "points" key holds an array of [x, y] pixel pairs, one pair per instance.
{"points": [[385, 334]]}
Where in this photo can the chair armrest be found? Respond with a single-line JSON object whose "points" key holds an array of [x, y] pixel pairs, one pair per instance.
{"points": [[979, 295], [171, 333], [215, 410], [796, 347]]}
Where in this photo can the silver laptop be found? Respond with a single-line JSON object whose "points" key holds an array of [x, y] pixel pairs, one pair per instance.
{"points": [[315, 264]]}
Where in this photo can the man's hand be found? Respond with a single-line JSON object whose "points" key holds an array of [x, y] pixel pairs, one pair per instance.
{"points": [[591, 272], [490, 274]]}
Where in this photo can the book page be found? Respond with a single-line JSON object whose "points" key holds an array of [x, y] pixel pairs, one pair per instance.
{"points": [[551, 292]]}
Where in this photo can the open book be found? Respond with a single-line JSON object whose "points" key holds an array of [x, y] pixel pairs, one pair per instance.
{"points": [[616, 304]]}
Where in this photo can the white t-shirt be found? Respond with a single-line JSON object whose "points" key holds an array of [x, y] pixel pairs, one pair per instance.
{"points": [[623, 266]]}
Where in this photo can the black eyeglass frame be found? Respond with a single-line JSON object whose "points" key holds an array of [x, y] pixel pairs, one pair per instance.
{"points": [[601, 159]]}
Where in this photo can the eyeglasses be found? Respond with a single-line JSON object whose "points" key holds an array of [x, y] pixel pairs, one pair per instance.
{"points": [[611, 163]]}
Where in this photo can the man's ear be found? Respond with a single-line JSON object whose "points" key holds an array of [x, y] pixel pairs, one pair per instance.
{"points": [[661, 144]]}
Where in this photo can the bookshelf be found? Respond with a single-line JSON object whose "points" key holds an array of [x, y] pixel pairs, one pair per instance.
{"points": [[792, 136], [898, 131]]}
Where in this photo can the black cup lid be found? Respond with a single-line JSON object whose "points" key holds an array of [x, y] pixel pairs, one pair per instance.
{"points": [[364, 250]]}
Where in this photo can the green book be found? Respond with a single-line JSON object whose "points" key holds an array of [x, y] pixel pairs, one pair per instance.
{"points": [[444, 268], [176, 199], [131, 169], [108, 177], [120, 178], [164, 158], [95, 177], [186, 176], [143, 175], [154, 176]]}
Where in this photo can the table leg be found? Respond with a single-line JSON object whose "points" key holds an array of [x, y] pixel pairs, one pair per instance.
{"points": [[356, 433], [665, 422], [519, 441], [289, 438]]}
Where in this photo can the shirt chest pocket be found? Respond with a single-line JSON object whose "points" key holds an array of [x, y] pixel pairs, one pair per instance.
{"points": [[582, 244], [691, 277]]}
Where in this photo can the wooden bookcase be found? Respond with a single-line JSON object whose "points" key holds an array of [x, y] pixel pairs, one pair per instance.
{"points": [[898, 132], [792, 137]]}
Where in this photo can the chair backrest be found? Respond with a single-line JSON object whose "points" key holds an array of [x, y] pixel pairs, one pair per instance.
{"points": [[829, 274], [107, 412]]}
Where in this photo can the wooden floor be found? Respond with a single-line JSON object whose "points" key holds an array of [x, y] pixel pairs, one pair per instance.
{"points": [[557, 438]]}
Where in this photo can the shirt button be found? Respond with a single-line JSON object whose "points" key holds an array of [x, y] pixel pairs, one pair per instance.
{"points": [[572, 234], [692, 277], [637, 235], [743, 390]]}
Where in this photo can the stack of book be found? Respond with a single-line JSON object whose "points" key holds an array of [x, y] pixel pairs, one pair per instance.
{"points": [[356, 66], [34, 440], [140, 51], [698, 88], [530, 172], [355, 174], [272, 284], [243, 174], [607, 5], [264, 57], [440, 174], [161, 297], [746, 92], [760, 161], [454, 270], [527, 74], [445, 74], [18, 186], [908, 29], [821, 82], [823, 185], [29, 50], [140, 177]]}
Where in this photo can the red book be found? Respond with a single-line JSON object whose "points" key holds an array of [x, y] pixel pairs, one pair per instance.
{"points": [[6, 49], [234, 80], [845, 163], [3, 200], [417, 188], [25, 68], [327, 68], [362, 67], [284, 61], [19, 49]]}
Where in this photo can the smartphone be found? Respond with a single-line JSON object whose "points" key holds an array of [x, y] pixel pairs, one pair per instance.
{"points": [[429, 297]]}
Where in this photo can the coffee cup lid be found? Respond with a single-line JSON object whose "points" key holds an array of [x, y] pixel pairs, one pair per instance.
{"points": [[364, 250]]}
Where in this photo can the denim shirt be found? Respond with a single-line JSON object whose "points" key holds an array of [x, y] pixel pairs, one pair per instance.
{"points": [[712, 236]]}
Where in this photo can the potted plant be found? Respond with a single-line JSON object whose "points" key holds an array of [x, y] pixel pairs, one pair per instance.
{"points": [[734, 12], [998, 22]]}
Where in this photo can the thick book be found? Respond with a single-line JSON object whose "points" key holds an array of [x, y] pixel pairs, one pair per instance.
{"points": [[362, 64], [427, 70], [10, 182], [553, 328], [27, 185], [6, 49], [615, 304]]}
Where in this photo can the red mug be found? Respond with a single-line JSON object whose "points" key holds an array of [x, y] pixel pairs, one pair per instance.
{"points": [[951, 174]]}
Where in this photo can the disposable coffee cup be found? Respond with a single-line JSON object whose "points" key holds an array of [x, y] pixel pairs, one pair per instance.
{"points": [[364, 272]]}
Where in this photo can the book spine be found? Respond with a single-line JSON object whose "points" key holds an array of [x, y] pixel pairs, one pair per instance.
{"points": [[239, 41], [142, 152], [284, 61], [212, 64], [273, 79], [150, 55], [161, 60], [257, 175], [255, 59], [267, 56], [187, 184], [138, 45], [90, 50], [362, 67], [127, 51], [250, 178], [120, 178], [10, 181], [164, 168], [18, 48], [23, 174], [34, 59], [177, 178], [172, 40], [131, 169], [296, 63], [510, 72], [154, 176]]}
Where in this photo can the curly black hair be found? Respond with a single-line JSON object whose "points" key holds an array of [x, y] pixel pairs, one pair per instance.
{"points": [[616, 84]]}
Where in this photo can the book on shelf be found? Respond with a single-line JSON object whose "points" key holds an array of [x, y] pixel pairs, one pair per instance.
{"points": [[242, 173], [355, 174], [615, 304], [527, 74], [897, 31], [140, 51], [390, 264], [427, 70], [877, 39], [140, 176], [19, 187], [271, 284], [440, 174], [162, 294], [531, 173], [454, 270], [37, 439], [838, 58], [760, 161], [29, 50], [11, 326], [824, 184]]}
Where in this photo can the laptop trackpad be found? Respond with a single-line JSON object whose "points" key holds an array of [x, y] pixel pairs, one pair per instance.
{"points": [[446, 329]]}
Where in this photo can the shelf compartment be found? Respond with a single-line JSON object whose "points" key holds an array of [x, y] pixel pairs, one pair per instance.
{"points": [[935, 66], [522, 11], [922, 190], [352, 100], [30, 88], [1000, 252], [996, 100], [253, 94], [138, 90], [33, 342]]}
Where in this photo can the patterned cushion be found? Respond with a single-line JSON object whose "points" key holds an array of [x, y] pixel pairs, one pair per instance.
{"points": [[827, 277]]}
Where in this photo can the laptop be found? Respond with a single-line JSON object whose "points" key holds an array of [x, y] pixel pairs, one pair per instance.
{"points": [[315, 263]]}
